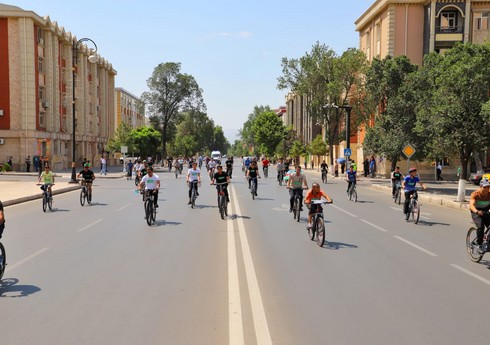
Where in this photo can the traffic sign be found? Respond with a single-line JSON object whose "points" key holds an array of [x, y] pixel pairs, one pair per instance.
{"points": [[347, 152], [124, 149], [408, 151]]}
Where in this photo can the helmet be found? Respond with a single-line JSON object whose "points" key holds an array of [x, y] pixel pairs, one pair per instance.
{"points": [[484, 182], [412, 170]]}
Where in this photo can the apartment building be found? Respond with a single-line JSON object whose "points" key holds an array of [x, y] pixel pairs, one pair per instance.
{"points": [[297, 116], [38, 71], [129, 109], [417, 27]]}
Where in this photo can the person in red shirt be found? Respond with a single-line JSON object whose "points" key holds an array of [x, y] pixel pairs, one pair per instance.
{"points": [[315, 193], [265, 166]]}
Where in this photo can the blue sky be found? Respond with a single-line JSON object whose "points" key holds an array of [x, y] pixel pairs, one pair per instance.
{"points": [[232, 48]]}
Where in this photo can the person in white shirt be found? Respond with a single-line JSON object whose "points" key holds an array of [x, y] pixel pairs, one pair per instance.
{"points": [[151, 182], [193, 174]]}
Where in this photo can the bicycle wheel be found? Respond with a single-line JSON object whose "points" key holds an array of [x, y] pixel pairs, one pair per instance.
{"points": [[83, 196], [349, 193], [280, 179], [298, 208], [471, 246], [253, 189], [222, 202], [136, 181], [355, 194], [266, 173], [193, 197], [3, 260], [45, 202], [89, 197], [312, 230], [415, 211], [399, 199], [50, 202], [324, 178], [153, 214], [320, 231], [148, 211]]}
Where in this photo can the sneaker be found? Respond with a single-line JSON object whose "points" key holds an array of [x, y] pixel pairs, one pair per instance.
{"points": [[189, 202], [301, 208], [156, 205], [197, 194], [479, 249], [309, 226], [290, 210]]}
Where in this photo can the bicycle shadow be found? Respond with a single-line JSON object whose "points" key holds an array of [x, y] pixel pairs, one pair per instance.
{"points": [[54, 209], [338, 245], [428, 223], [97, 204], [206, 206], [264, 199], [236, 216], [365, 202], [10, 288], [165, 222]]}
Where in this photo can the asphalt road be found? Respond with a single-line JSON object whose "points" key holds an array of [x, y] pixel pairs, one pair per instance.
{"points": [[100, 275]]}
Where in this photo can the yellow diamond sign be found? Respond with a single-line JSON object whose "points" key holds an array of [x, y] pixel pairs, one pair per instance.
{"points": [[408, 151]]}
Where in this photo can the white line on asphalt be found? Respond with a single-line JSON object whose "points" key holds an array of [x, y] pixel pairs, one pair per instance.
{"points": [[260, 321], [350, 214], [234, 301], [30, 257], [122, 208], [471, 274], [373, 225], [416, 246], [88, 226], [396, 208]]}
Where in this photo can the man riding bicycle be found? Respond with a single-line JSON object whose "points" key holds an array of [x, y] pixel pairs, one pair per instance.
{"points": [[315, 193], [88, 177], [479, 207], [151, 183], [396, 179], [229, 166], [222, 177], [324, 168], [280, 169], [351, 178], [409, 187], [48, 180], [295, 185], [252, 173], [193, 174], [265, 165]]}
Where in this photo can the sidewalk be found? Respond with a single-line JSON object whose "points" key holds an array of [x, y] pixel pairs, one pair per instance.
{"points": [[443, 193], [18, 187]]}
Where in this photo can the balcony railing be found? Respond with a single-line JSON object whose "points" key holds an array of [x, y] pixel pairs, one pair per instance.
{"points": [[455, 29]]}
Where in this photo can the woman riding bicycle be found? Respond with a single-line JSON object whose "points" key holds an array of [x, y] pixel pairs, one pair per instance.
{"points": [[47, 177], [479, 207], [409, 187], [315, 193]]}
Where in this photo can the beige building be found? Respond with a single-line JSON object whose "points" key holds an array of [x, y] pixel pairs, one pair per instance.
{"points": [[36, 93], [129, 109]]}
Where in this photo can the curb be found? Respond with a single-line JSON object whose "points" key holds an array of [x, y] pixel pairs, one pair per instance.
{"points": [[39, 196]]}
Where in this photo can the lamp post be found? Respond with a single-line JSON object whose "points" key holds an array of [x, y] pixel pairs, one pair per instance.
{"points": [[348, 110], [93, 59]]}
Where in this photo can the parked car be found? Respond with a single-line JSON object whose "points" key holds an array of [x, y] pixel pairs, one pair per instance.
{"points": [[477, 177]]}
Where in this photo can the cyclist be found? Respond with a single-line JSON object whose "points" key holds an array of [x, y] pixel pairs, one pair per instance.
{"points": [[396, 177], [193, 174], [350, 177], [88, 177], [479, 207], [409, 186], [315, 193], [229, 166], [252, 173], [48, 179], [324, 168], [2, 219], [295, 185], [280, 169], [129, 169], [246, 164], [221, 177], [151, 182], [286, 165], [212, 166], [265, 165]]}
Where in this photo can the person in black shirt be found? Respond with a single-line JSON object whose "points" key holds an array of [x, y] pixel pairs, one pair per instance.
{"points": [[229, 166], [88, 177], [221, 177], [396, 177], [253, 173]]}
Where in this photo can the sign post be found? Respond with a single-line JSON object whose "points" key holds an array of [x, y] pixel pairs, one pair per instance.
{"points": [[124, 150], [408, 151]]}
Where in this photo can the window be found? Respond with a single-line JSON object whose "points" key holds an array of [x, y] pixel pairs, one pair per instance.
{"points": [[449, 21], [40, 63], [481, 21], [368, 44], [378, 39], [42, 119]]}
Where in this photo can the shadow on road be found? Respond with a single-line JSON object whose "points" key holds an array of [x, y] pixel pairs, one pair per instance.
{"points": [[10, 288], [427, 223], [166, 222], [236, 216], [338, 245]]}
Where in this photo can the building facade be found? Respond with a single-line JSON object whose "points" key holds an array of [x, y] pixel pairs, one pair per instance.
{"points": [[128, 109], [38, 71], [417, 27]]}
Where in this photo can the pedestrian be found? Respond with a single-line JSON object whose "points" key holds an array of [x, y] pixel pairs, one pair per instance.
{"points": [[372, 166], [312, 164], [9, 161], [439, 171], [336, 169], [129, 169], [36, 163], [28, 163], [41, 165], [306, 164], [459, 171], [366, 167], [342, 168], [103, 166]]}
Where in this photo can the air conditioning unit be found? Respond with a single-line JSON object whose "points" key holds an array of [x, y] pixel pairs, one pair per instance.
{"points": [[2, 141], [45, 104], [41, 41]]}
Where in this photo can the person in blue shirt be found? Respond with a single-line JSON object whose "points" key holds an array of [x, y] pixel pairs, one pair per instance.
{"points": [[409, 187], [350, 177]]}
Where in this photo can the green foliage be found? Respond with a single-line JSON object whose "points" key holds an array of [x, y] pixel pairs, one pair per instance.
{"points": [[298, 149], [268, 132], [318, 146], [6, 167], [122, 137], [220, 143], [146, 140]]}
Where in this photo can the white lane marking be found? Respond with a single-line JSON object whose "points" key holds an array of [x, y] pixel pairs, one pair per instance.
{"points": [[122, 208], [374, 225], [30, 257], [234, 300], [346, 212], [416, 246], [396, 208], [260, 321], [90, 225], [471, 274]]}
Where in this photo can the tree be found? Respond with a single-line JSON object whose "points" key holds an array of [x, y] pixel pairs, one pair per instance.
{"points": [[454, 111], [122, 137], [146, 140], [318, 146], [268, 132], [298, 150], [247, 134], [171, 92]]}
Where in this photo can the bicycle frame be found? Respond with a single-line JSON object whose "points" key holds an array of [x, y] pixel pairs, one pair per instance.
{"points": [[222, 202]]}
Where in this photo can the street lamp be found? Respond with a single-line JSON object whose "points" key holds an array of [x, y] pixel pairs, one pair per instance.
{"points": [[348, 110], [93, 59]]}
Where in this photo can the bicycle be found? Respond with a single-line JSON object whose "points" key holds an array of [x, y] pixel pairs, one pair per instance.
{"points": [[266, 172], [222, 202], [413, 208], [317, 222], [136, 179], [398, 192], [280, 177], [472, 247], [211, 173], [3, 260], [150, 210], [176, 172], [47, 200], [253, 187], [297, 204], [85, 194], [324, 176], [194, 193], [352, 192]]}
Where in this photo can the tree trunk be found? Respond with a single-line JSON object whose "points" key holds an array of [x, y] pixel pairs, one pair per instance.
{"points": [[476, 157], [164, 141], [463, 159], [393, 164]]}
